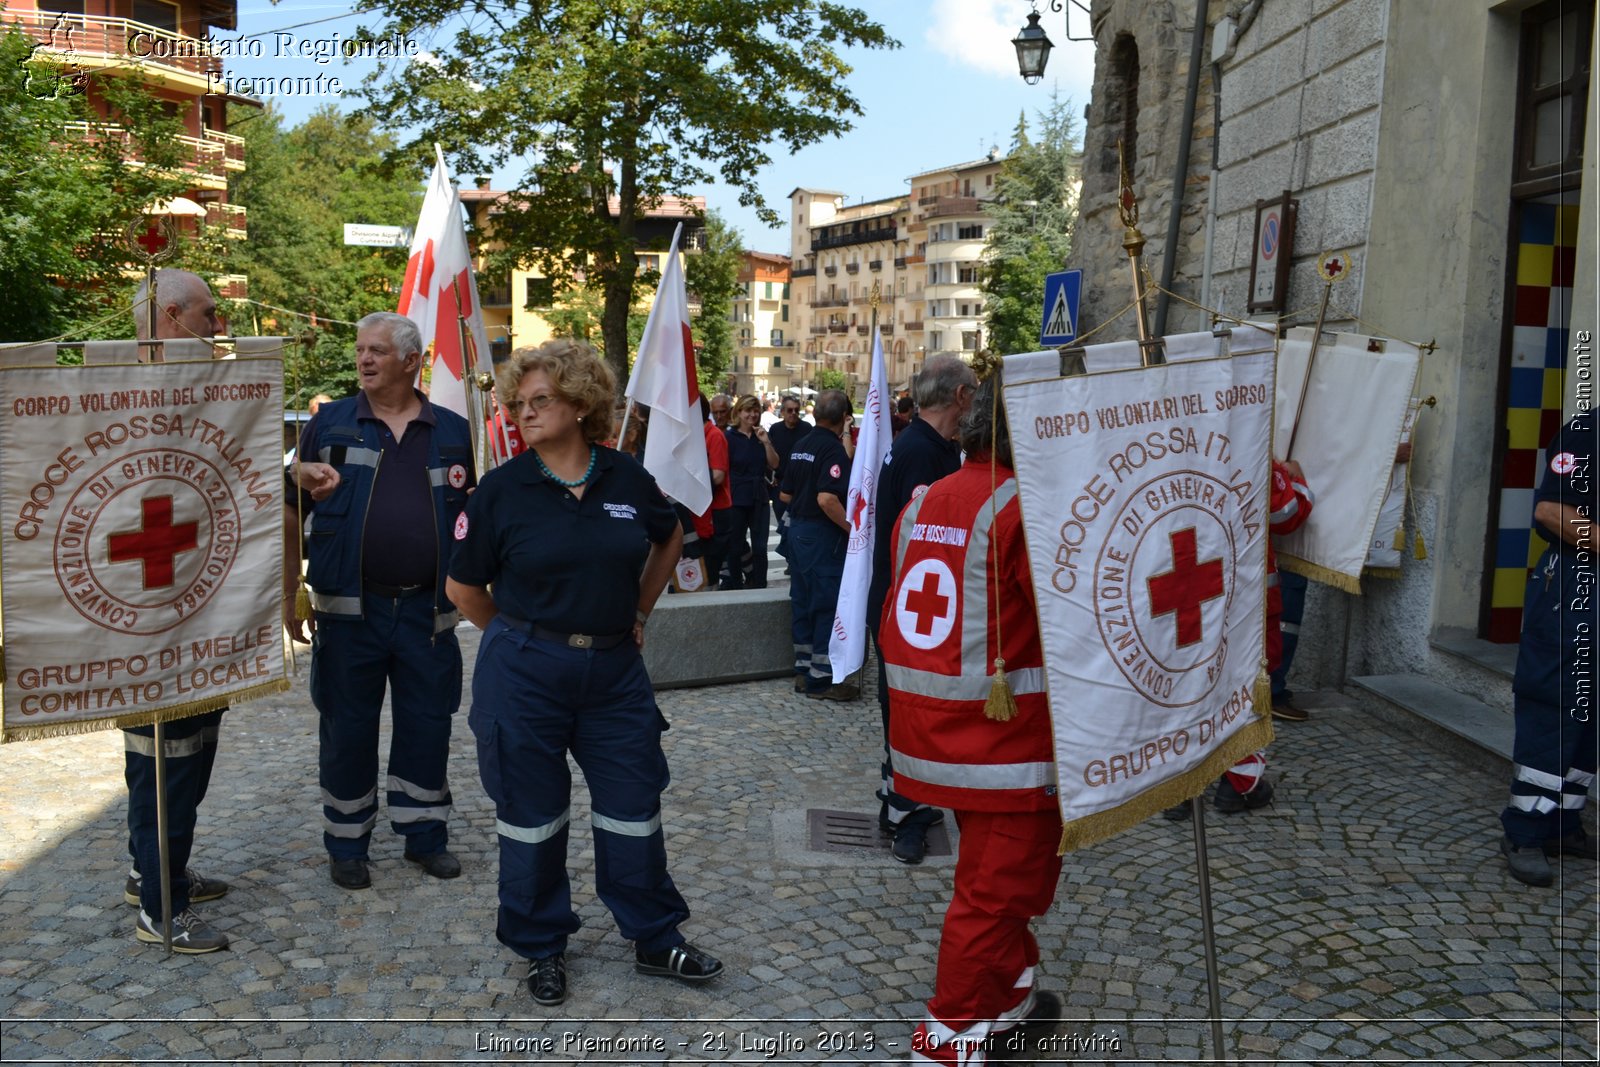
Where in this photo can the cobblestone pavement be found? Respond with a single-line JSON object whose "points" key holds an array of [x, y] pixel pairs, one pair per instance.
{"points": [[1367, 916]]}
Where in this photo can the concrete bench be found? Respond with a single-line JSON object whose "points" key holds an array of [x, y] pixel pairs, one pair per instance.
{"points": [[706, 638]]}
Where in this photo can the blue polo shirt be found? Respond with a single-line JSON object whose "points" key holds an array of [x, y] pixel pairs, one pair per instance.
{"points": [[818, 464], [558, 561], [917, 458], [1570, 471]]}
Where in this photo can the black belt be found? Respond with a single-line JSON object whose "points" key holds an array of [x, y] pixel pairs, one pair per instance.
{"points": [[598, 642], [393, 592]]}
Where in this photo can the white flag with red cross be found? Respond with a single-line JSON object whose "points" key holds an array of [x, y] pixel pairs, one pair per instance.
{"points": [[665, 379], [1144, 504], [440, 289], [847, 644]]}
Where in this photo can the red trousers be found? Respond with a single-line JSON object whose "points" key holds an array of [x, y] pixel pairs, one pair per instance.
{"points": [[1005, 875]]}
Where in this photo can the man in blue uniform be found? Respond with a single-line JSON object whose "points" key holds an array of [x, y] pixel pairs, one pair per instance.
{"points": [[184, 309], [815, 486], [922, 453], [387, 475], [785, 434], [1553, 754]]}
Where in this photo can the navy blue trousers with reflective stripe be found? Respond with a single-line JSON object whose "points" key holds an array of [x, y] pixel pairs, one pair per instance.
{"points": [[191, 752], [352, 662], [1553, 754], [533, 701], [1292, 587], [818, 548]]}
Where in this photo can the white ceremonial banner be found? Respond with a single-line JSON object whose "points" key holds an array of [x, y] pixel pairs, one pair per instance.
{"points": [[143, 554], [1350, 426], [847, 642], [1384, 554], [1144, 499]]}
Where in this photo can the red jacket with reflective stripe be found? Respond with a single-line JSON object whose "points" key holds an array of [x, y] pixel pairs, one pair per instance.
{"points": [[958, 559]]}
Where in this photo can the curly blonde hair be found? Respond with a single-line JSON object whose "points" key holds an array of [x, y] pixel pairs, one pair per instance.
{"points": [[578, 375]]}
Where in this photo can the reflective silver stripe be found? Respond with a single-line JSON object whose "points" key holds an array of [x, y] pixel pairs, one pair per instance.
{"points": [[416, 792], [1573, 800], [532, 835], [401, 814], [1583, 778], [446, 620], [1541, 805], [975, 680], [1535, 777], [1288, 511], [438, 477], [359, 455], [1272, 580], [627, 829], [975, 775], [350, 829], [174, 747], [351, 807], [1288, 628], [335, 605], [962, 686]]}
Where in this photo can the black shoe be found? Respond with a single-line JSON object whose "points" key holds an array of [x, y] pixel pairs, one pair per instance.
{"points": [[841, 691], [349, 874], [1576, 843], [799, 683], [1178, 812], [1286, 710], [1229, 800], [191, 935], [910, 842], [439, 864], [1527, 863], [680, 961], [547, 980], [1015, 1042], [200, 889]]}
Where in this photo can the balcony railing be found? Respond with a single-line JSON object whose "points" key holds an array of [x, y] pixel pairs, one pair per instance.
{"points": [[852, 268], [837, 327], [882, 233], [803, 272], [205, 159], [830, 271], [234, 217], [829, 302], [951, 205], [818, 329], [232, 148], [886, 327], [863, 329], [876, 264], [99, 38], [914, 327], [496, 296], [863, 299]]}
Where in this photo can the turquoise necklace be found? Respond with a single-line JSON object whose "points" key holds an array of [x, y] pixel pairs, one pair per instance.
{"points": [[548, 473]]}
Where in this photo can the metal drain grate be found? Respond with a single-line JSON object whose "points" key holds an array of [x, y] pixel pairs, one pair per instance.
{"points": [[849, 831]]}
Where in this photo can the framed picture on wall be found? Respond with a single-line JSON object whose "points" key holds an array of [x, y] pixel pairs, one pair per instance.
{"points": [[1274, 248]]}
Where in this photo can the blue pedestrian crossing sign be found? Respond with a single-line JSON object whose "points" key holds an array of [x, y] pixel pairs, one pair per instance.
{"points": [[1061, 291]]}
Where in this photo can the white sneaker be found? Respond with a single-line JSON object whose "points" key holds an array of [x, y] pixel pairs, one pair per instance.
{"points": [[190, 933]]}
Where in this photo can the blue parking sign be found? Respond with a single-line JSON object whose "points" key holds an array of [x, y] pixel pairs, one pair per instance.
{"points": [[1060, 323]]}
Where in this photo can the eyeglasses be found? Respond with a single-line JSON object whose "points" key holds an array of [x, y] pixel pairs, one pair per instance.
{"points": [[791, 411], [537, 403]]}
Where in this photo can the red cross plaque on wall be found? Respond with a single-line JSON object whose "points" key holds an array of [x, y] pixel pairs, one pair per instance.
{"points": [[1184, 590], [157, 544]]}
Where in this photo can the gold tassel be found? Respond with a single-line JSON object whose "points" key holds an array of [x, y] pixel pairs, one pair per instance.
{"points": [[302, 603], [1422, 549], [1001, 705], [1400, 538]]}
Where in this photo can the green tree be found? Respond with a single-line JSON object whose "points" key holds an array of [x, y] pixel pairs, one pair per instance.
{"points": [[713, 276], [828, 378], [70, 184], [302, 185], [577, 314], [1030, 222], [617, 104]]}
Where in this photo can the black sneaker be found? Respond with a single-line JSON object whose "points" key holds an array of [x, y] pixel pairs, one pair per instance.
{"points": [[1229, 800], [683, 961], [200, 889], [349, 874], [1042, 1011], [1576, 843], [841, 691], [911, 835], [1178, 812], [191, 935], [547, 980], [1528, 863], [440, 864]]}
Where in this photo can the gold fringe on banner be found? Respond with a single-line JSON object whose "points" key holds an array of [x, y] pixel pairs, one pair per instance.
{"points": [[1393, 573], [1318, 573], [1092, 829], [35, 731]]}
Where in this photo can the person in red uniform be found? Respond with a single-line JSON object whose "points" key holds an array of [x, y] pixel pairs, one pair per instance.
{"points": [[960, 562]]}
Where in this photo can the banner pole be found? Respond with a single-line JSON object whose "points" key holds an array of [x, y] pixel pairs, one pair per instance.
{"points": [[1330, 269], [161, 836], [1133, 244], [1208, 933]]}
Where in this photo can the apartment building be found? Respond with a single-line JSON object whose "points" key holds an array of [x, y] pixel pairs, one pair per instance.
{"points": [[515, 306], [919, 253], [764, 359], [167, 44]]}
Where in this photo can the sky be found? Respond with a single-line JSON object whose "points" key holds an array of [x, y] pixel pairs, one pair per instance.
{"points": [[949, 93]]}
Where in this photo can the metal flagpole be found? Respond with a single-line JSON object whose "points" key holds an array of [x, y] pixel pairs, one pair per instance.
{"points": [[1330, 268], [1133, 242]]}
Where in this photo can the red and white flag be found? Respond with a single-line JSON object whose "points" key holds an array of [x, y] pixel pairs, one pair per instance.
{"points": [[664, 378], [439, 283], [847, 647]]}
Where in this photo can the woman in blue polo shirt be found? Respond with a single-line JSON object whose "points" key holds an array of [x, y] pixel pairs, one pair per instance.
{"points": [[578, 543]]}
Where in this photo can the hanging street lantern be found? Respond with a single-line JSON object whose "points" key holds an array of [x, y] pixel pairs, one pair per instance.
{"points": [[1033, 49]]}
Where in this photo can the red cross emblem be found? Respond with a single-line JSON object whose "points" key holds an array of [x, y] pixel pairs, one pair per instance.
{"points": [[458, 476], [1563, 462], [861, 508], [925, 607], [153, 241], [1184, 590], [157, 543]]}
